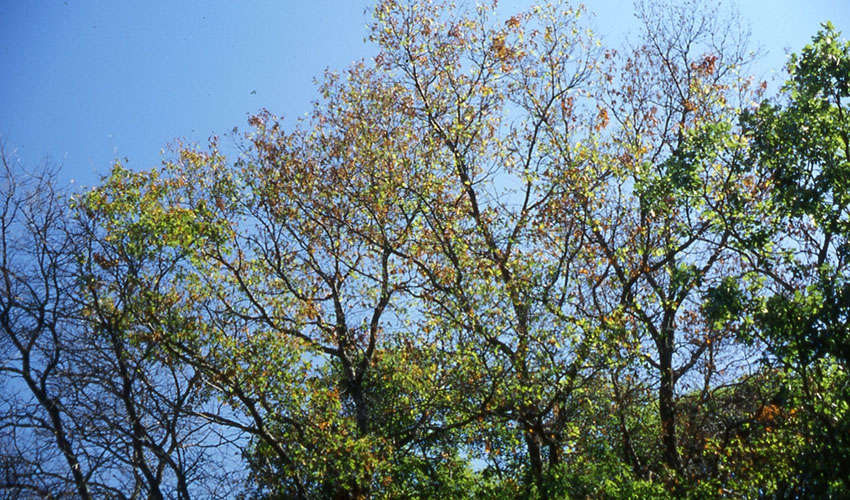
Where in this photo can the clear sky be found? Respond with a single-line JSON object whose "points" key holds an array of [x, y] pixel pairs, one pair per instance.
{"points": [[84, 82]]}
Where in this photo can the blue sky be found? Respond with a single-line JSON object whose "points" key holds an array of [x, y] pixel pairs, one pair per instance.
{"points": [[85, 82]]}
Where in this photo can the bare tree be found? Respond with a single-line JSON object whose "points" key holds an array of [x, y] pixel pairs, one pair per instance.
{"points": [[86, 409]]}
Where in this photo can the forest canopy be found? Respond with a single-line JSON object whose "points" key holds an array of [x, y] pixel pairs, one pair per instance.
{"points": [[499, 260]]}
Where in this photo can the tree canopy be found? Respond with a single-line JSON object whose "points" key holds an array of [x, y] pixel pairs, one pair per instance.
{"points": [[500, 260]]}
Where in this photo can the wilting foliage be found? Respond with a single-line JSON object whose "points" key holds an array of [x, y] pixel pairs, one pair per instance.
{"points": [[500, 260]]}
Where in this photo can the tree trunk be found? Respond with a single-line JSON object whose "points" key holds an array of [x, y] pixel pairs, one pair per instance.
{"points": [[532, 442], [666, 405]]}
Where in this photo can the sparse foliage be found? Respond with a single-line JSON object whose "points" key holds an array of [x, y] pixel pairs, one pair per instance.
{"points": [[501, 260]]}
